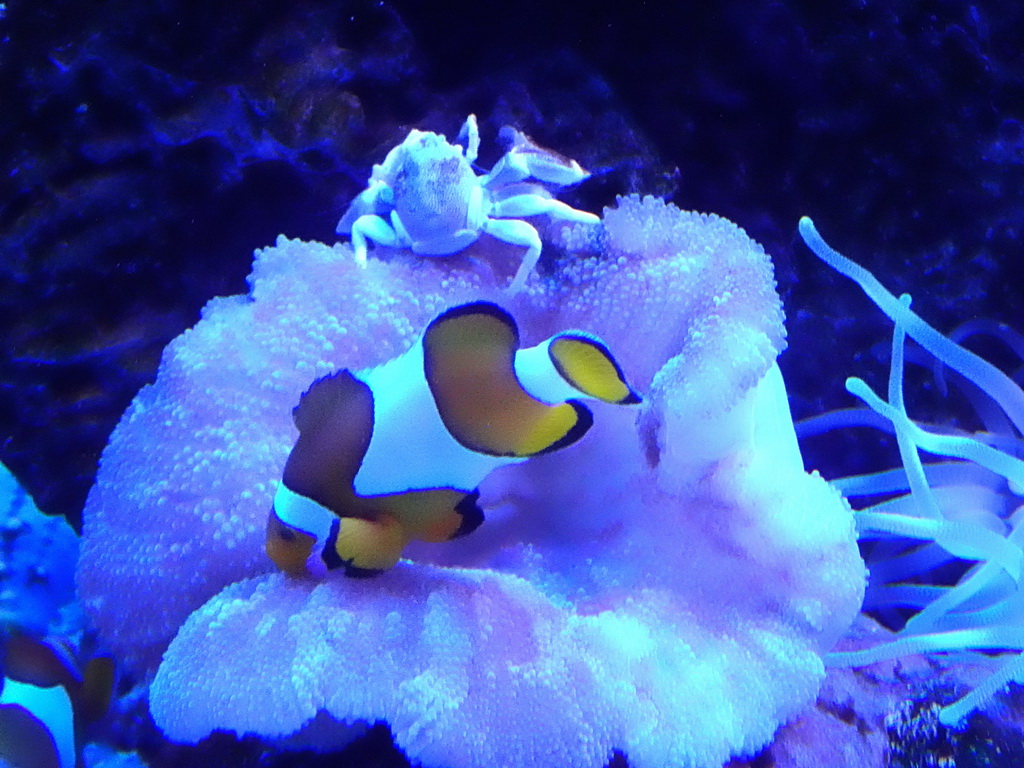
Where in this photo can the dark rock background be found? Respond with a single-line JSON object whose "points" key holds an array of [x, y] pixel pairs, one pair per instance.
{"points": [[148, 148]]}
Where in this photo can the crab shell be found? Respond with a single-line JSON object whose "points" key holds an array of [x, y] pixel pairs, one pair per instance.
{"points": [[431, 186]]}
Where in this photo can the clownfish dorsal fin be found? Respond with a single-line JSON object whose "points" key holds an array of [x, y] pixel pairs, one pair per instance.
{"points": [[41, 661], [335, 422], [588, 365], [469, 361]]}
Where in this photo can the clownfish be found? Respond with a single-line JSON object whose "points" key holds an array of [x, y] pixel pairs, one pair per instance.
{"points": [[46, 699], [395, 453]]}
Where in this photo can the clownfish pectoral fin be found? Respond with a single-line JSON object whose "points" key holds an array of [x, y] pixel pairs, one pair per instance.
{"points": [[41, 661], [323, 398], [365, 547], [98, 680], [469, 361], [335, 422], [588, 365]]}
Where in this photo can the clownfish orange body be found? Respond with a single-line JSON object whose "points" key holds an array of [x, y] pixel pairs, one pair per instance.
{"points": [[395, 453]]}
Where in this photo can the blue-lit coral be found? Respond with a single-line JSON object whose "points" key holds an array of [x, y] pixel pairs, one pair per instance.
{"points": [[37, 559], [967, 505], [666, 587]]}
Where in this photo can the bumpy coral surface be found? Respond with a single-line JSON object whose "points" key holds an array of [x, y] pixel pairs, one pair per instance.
{"points": [[666, 587], [37, 557]]}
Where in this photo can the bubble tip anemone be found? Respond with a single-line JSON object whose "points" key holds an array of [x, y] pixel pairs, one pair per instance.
{"points": [[980, 474]]}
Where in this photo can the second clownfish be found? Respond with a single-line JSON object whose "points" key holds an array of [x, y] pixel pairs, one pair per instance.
{"points": [[395, 453]]}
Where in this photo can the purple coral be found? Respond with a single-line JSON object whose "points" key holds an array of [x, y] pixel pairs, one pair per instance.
{"points": [[666, 587]]}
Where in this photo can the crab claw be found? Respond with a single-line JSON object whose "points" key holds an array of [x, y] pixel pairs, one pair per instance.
{"points": [[469, 136], [528, 159], [366, 203]]}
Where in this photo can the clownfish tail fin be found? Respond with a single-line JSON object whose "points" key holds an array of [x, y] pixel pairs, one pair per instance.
{"points": [[589, 366]]}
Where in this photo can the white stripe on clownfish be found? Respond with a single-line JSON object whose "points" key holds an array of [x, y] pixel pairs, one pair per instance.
{"points": [[410, 446], [47, 690], [41, 720], [303, 514], [542, 372]]}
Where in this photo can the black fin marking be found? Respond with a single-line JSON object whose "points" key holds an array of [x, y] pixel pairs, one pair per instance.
{"points": [[330, 554], [472, 515], [584, 421], [479, 308], [355, 572]]}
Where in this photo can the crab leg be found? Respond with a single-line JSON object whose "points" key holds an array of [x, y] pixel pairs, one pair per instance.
{"points": [[369, 226], [535, 205], [470, 134], [517, 233]]}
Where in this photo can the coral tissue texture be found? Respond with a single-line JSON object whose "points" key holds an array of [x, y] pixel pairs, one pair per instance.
{"points": [[665, 587]]}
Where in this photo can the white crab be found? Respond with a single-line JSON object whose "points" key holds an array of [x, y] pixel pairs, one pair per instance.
{"points": [[425, 196]]}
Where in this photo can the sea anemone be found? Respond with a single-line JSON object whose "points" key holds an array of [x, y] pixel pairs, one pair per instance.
{"points": [[665, 587], [964, 506]]}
